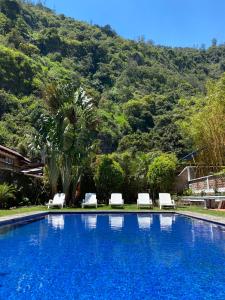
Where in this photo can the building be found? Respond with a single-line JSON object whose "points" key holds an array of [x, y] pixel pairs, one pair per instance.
{"points": [[189, 178], [12, 160]]}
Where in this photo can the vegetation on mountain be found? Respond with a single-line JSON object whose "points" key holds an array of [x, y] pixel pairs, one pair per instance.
{"points": [[147, 99]]}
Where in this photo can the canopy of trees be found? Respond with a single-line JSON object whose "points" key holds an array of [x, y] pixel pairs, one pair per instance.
{"points": [[146, 97], [204, 124], [136, 85]]}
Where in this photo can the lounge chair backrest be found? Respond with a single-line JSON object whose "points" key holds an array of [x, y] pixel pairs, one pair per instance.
{"points": [[143, 197], [90, 198], [165, 198], [59, 199], [116, 196]]}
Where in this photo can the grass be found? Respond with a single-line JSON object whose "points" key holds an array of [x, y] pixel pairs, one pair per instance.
{"points": [[8, 212], [201, 210], [128, 207]]}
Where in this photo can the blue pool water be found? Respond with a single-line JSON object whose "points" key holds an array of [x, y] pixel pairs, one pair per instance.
{"points": [[130, 256]]}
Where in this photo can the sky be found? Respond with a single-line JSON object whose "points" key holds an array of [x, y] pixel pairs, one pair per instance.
{"points": [[177, 23]]}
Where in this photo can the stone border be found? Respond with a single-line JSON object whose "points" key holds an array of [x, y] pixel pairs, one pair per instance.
{"points": [[33, 216]]}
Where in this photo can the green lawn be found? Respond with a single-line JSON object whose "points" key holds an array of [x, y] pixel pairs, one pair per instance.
{"points": [[8, 212], [198, 209], [128, 207]]}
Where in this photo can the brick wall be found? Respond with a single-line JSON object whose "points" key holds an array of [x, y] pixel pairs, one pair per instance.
{"points": [[208, 184]]}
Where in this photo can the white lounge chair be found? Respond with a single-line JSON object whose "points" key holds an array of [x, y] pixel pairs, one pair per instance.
{"points": [[116, 200], [144, 222], [90, 200], [58, 200], [116, 222], [165, 200], [144, 200]]}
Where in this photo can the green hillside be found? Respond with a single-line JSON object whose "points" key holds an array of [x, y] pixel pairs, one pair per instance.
{"points": [[135, 84]]}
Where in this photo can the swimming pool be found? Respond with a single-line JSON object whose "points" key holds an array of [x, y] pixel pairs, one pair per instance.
{"points": [[113, 256]]}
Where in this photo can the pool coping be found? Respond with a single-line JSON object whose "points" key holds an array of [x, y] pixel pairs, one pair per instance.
{"points": [[208, 218], [33, 216], [22, 217]]}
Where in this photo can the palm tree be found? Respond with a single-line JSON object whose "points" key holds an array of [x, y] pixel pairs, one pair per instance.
{"points": [[67, 131]]}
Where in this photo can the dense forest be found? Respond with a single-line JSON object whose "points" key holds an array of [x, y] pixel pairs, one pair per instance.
{"points": [[136, 85], [138, 88]]}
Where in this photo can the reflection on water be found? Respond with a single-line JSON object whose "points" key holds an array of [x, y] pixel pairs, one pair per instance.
{"points": [[166, 222], [10, 228], [116, 222], [56, 221], [7, 229], [208, 230], [144, 222], [41, 261], [90, 221]]}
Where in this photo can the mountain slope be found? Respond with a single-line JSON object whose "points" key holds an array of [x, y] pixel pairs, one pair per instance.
{"points": [[136, 84]]}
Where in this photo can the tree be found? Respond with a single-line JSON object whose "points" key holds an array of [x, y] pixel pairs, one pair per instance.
{"points": [[12, 64], [108, 176], [161, 173], [135, 166], [204, 124], [66, 134], [138, 115], [8, 102], [142, 142], [11, 8]]}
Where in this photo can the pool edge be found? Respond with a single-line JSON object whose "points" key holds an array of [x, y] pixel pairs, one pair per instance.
{"points": [[23, 217], [207, 218]]}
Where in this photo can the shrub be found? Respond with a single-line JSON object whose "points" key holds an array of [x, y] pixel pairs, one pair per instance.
{"points": [[7, 194], [187, 192], [161, 172], [108, 176]]}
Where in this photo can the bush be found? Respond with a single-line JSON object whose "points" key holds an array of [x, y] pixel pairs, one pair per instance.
{"points": [[7, 194], [161, 172], [25, 188], [108, 176], [187, 192]]}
